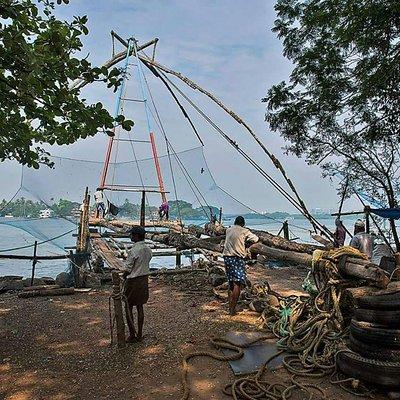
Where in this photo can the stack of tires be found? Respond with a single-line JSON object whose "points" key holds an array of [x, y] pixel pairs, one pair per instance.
{"points": [[374, 343]]}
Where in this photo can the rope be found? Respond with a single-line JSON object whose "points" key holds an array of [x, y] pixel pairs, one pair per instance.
{"points": [[274, 160], [279, 188], [310, 329], [161, 126]]}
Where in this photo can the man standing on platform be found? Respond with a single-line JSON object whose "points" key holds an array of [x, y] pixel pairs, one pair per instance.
{"points": [[136, 286], [237, 237], [100, 205], [163, 211]]}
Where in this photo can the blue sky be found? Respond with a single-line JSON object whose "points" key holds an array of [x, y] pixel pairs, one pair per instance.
{"points": [[226, 46]]}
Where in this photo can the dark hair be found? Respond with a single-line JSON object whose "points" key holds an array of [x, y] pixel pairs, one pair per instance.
{"points": [[138, 231], [239, 220]]}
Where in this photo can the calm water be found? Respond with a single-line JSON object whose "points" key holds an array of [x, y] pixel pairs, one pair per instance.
{"points": [[17, 233]]}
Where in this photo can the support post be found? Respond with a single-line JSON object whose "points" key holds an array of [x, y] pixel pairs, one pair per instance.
{"points": [[118, 310], [143, 210], [285, 228], [34, 261], [367, 224], [158, 168], [220, 215], [178, 262]]}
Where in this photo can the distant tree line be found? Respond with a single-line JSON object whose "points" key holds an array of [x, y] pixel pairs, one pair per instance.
{"points": [[22, 207]]}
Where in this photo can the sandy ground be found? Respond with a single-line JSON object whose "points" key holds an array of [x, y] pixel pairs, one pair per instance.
{"points": [[59, 348]]}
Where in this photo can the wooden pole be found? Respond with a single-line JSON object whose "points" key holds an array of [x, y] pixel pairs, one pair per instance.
{"points": [[143, 210], [118, 310], [178, 259], [34, 261], [286, 230], [367, 224], [220, 215], [158, 168]]}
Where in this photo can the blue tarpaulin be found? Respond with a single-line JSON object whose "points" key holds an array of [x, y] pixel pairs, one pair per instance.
{"points": [[392, 213]]}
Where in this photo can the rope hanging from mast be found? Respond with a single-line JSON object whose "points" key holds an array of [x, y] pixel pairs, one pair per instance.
{"points": [[276, 185], [274, 160]]}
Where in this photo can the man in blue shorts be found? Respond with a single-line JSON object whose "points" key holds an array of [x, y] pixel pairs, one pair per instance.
{"points": [[237, 237]]}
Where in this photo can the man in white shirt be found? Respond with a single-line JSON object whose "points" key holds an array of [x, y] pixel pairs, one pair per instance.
{"points": [[99, 200], [234, 254], [136, 286]]}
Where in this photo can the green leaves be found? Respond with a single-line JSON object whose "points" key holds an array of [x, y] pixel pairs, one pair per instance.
{"points": [[340, 107], [38, 61]]}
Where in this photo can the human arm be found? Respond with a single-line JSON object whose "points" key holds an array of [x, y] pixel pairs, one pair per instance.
{"points": [[250, 237]]}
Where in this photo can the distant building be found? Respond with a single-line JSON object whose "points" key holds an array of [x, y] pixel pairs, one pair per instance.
{"points": [[47, 213]]}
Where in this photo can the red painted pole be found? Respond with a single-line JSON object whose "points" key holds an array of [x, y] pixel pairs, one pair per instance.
{"points": [[158, 168]]}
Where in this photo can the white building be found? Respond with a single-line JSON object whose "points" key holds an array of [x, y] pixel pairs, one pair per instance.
{"points": [[45, 213]]}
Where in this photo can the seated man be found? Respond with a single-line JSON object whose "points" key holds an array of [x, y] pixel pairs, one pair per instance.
{"points": [[234, 254], [361, 240], [136, 286]]}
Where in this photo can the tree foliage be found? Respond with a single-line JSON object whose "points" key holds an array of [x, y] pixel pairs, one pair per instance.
{"points": [[38, 62], [340, 107]]}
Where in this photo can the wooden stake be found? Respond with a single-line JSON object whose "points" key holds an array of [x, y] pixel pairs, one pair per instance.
{"points": [[143, 210], [178, 259], [34, 261], [286, 230], [118, 310]]}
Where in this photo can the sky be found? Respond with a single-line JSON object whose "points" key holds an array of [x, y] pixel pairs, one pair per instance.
{"points": [[228, 48]]}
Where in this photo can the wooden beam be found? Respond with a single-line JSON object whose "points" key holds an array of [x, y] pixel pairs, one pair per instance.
{"points": [[118, 310]]}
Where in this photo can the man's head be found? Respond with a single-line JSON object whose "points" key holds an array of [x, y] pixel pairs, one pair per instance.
{"points": [[359, 226], [137, 234], [239, 220]]}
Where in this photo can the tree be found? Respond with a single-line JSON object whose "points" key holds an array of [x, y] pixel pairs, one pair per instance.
{"points": [[37, 65], [340, 108]]}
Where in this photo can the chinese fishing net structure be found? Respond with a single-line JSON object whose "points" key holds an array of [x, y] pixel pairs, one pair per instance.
{"points": [[49, 199]]}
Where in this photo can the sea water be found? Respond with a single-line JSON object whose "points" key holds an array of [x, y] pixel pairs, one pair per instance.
{"points": [[18, 233]]}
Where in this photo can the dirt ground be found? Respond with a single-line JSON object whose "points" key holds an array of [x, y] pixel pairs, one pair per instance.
{"points": [[59, 348]]}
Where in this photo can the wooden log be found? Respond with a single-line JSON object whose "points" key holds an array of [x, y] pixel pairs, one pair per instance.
{"points": [[357, 268], [283, 255], [46, 292], [41, 287], [118, 310], [281, 243], [370, 272]]}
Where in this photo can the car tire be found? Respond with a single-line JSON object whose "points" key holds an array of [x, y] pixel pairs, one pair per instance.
{"points": [[389, 301], [380, 373], [388, 318], [373, 351], [375, 334]]}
